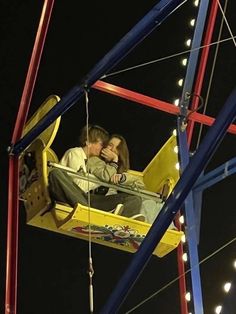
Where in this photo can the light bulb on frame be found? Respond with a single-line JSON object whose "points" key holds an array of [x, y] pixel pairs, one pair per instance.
{"points": [[181, 219], [192, 22], [180, 82], [183, 238], [188, 296], [176, 102], [185, 257], [227, 286], [196, 3], [184, 61], [218, 309], [188, 42], [176, 149]]}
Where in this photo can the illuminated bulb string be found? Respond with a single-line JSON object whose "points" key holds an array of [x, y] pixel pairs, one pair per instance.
{"points": [[177, 278], [223, 308], [167, 57]]}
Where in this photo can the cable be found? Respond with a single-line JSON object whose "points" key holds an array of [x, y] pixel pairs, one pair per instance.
{"points": [[211, 75], [226, 22], [166, 58], [177, 278], [90, 260]]}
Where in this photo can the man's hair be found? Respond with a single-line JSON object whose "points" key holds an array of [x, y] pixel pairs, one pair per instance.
{"points": [[93, 134]]}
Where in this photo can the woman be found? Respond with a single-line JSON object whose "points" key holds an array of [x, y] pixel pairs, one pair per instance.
{"points": [[112, 168], [117, 150]]}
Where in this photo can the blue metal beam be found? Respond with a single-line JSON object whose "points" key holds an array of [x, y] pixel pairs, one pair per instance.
{"points": [[191, 230], [216, 175], [172, 205], [143, 28], [190, 215]]}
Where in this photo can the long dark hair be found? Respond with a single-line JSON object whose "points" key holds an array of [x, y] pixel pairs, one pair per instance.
{"points": [[123, 163]]}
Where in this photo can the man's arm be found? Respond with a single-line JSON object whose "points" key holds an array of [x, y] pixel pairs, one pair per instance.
{"points": [[102, 170]]}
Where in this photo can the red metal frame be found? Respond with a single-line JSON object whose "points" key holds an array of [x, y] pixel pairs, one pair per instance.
{"points": [[13, 202], [155, 103]]}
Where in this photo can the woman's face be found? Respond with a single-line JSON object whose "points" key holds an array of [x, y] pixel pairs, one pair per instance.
{"points": [[113, 144]]}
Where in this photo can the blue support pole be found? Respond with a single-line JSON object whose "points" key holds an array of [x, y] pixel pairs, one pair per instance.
{"points": [[146, 25], [191, 230], [190, 215], [193, 57], [172, 205]]}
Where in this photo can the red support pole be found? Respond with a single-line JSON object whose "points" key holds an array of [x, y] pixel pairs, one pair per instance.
{"points": [[154, 103], [13, 185], [202, 64]]}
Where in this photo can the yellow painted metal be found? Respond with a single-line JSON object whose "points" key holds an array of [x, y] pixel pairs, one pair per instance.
{"points": [[105, 228], [48, 135]]}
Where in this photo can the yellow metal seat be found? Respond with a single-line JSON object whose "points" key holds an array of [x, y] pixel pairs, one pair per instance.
{"points": [[105, 228]]}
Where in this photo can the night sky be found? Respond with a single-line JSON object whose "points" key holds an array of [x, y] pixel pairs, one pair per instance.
{"points": [[52, 272]]}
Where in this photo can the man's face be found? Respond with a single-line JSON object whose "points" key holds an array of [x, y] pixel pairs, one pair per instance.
{"points": [[95, 148]]}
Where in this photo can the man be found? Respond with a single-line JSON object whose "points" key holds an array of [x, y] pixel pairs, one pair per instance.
{"points": [[72, 190]]}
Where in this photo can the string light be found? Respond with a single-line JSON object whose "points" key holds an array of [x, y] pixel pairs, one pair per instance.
{"points": [[188, 296], [183, 238], [192, 22], [177, 166], [196, 3], [176, 102], [180, 82], [176, 149], [181, 219], [184, 61], [188, 42], [235, 264], [218, 309], [227, 286], [174, 132], [185, 257]]}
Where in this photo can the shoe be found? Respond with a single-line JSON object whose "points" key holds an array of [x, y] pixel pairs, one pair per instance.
{"points": [[119, 209], [139, 217]]}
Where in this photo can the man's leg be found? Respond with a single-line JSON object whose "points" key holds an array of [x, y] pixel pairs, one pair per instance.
{"points": [[132, 204], [63, 189]]}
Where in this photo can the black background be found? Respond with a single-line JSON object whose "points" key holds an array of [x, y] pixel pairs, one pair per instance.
{"points": [[52, 272]]}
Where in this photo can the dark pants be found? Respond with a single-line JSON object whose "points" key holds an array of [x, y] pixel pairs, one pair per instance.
{"points": [[63, 189]]}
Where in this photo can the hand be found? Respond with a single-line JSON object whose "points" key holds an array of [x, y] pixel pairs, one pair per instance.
{"points": [[109, 155], [116, 178]]}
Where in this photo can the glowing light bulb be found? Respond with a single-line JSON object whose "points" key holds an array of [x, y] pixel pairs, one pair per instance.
{"points": [[176, 149], [196, 3], [185, 257], [235, 264], [188, 296], [184, 61], [181, 219], [183, 238], [192, 22], [180, 82], [188, 42], [218, 309], [176, 102], [174, 132], [177, 166], [227, 286]]}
